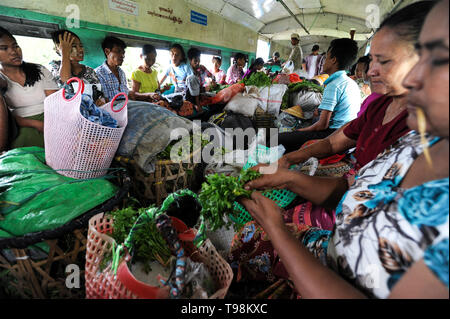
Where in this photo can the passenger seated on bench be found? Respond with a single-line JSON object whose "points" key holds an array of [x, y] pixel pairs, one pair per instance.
{"points": [[341, 97], [146, 86], [219, 75], [195, 83], [70, 48], [111, 76], [235, 72], [179, 69], [361, 77], [28, 85], [384, 121], [256, 66]]}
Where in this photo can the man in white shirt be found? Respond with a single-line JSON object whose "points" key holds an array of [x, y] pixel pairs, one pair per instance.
{"points": [[296, 56], [312, 62]]}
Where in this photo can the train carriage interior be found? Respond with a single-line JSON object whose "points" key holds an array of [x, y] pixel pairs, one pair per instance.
{"points": [[224, 149]]}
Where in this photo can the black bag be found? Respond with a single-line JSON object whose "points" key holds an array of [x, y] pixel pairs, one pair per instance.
{"points": [[234, 121], [175, 101]]}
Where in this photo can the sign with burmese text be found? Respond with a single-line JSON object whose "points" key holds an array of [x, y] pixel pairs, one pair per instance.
{"points": [[124, 6]]}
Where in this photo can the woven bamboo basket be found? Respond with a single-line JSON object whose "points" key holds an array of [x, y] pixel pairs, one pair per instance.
{"points": [[33, 277], [263, 119], [167, 178]]}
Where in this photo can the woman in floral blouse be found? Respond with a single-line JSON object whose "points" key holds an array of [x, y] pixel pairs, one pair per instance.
{"points": [[392, 225], [235, 72], [69, 46]]}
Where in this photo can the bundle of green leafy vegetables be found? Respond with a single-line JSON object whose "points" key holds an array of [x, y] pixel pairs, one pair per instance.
{"points": [[258, 79], [148, 245], [219, 193], [305, 86]]}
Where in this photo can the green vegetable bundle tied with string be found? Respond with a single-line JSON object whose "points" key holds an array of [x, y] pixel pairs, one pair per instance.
{"points": [[219, 193]]}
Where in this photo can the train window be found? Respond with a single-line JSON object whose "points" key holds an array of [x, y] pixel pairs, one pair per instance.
{"points": [[263, 50], [31, 35], [367, 49], [162, 61], [206, 60], [133, 61], [44, 55]]}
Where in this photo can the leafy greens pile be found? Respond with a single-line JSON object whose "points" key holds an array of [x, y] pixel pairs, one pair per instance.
{"points": [[305, 86], [258, 79], [149, 245], [219, 193]]}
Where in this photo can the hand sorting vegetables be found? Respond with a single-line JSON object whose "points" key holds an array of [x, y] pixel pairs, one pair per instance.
{"points": [[219, 193]]}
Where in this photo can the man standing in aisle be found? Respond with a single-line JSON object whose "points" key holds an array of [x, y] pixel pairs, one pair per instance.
{"points": [[296, 56], [312, 62]]}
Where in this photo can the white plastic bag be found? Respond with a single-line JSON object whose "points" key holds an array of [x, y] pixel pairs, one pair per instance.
{"points": [[289, 68], [308, 100], [245, 105], [271, 98], [251, 91]]}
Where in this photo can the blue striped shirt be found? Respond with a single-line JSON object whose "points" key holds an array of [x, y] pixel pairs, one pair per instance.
{"points": [[342, 97], [110, 84]]}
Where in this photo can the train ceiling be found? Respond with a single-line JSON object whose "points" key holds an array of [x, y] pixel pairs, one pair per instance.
{"points": [[316, 21]]}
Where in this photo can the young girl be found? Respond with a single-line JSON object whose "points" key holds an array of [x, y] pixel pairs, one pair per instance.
{"points": [[195, 83], [219, 74], [256, 66], [28, 85], [179, 70], [236, 71], [361, 77]]}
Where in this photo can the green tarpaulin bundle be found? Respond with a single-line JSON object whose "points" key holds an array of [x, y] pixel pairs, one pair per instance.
{"points": [[34, 197]]}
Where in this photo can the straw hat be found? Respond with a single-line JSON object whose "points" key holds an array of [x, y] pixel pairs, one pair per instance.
{"points": [[321, 78], [295, 111]]}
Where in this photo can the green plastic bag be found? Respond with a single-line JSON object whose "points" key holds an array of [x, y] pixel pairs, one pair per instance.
{"points": [[34, 197]]}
